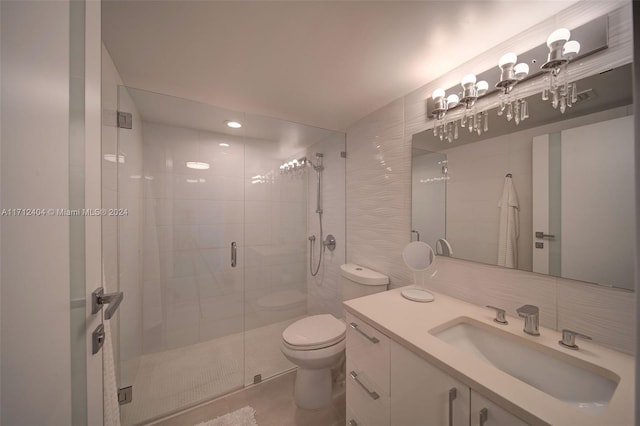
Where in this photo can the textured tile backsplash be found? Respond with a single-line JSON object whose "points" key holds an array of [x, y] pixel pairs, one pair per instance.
{"points": [[379, 203]]}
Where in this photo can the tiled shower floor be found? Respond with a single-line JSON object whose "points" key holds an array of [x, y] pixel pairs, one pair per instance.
{"points": [[173, 380]]}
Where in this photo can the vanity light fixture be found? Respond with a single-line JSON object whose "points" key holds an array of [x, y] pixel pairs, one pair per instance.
{"points": [[293, 165], [471, 91], [233, 124], [552, 77], [510, 74], [563, 93]]}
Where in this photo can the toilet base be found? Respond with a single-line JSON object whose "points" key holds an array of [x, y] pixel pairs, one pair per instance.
{"points": [[313, 388]]}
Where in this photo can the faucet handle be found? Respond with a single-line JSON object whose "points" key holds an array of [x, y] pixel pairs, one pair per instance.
{"points": [[500, 315], [569, 338], [527, 310]]}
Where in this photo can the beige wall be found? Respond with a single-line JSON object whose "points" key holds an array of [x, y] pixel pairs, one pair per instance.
{"points": [[379, 204]]}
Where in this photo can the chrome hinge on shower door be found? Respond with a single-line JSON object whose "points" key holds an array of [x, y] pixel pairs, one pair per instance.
{"points": [[125, 120], [125, 395]]}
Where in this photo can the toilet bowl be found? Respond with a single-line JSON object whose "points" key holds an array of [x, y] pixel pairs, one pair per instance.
{"points": [[316, 344]]}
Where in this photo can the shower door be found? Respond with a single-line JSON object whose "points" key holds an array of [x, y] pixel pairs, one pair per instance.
{"points": [[182, 319], [211, 253]]}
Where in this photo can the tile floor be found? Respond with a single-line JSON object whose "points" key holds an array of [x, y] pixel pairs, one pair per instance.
{"points": [[274, 405], [173, 380]]}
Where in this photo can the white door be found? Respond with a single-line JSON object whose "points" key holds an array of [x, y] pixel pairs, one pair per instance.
{"points": [[540, 170]]}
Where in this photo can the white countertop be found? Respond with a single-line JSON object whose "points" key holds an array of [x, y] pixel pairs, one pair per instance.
{"points": [[408, 323]]}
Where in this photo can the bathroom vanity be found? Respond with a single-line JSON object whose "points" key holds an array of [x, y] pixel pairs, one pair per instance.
{"points": [[448, 363]]}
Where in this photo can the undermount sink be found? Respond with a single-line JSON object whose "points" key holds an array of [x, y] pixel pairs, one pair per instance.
{"points": [[574, 381]]}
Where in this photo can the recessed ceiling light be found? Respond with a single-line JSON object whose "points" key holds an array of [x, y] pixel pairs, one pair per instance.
{"points": [[233, 124], [197, 165], [226, 145]]}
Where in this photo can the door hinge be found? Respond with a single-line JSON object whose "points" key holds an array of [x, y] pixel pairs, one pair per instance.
{"points": [[125, 120], [343, 154], [257, 379], [125, 395]]}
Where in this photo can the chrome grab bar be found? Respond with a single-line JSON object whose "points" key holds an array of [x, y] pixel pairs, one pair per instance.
{"points": [[453, 394], [98, 299], [234, 254], [373, 395], [370, 338]]}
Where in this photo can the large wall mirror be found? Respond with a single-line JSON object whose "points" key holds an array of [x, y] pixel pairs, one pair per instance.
{"points": [[553, 195]]}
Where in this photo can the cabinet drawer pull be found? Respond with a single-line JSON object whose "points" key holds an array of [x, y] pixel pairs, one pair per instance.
{"points": [[453, 394], [353, 423], [371, 339], [484, 416], [373, 395]]}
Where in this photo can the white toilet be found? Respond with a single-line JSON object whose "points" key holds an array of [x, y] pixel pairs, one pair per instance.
{"points": [[316, 343]]}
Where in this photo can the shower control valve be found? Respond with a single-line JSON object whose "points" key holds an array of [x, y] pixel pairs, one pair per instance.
{"points": [[330, 242]]}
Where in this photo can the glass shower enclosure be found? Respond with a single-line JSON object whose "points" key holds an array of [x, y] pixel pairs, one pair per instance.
{"points": [[210, 251]]}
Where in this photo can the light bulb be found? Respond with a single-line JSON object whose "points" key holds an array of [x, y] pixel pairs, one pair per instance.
{"points": [[558, 35], [233, 124], [453, 100], [468, 79], [507, 59], [438, 94], [571, 49], [521, 70], [482, 87]]}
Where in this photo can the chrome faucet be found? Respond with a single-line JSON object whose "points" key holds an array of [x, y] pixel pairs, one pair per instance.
{"points": [[531, 315]]}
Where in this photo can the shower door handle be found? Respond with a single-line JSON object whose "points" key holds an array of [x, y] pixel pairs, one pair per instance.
{"points": [[234, 254]]}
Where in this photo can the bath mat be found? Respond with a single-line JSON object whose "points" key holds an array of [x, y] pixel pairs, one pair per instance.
{"points": [[242, 417]]}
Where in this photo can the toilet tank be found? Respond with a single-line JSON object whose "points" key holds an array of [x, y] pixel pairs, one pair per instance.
{"points": [[358, 281]]}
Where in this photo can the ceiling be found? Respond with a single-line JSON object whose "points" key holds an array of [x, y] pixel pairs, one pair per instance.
{"points": [[290, 138], [322, 63]]}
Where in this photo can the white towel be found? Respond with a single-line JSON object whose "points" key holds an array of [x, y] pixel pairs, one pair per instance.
{"points": [[509, 229]]}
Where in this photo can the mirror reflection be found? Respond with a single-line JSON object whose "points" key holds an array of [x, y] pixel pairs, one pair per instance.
{"points": [[554, 194]]}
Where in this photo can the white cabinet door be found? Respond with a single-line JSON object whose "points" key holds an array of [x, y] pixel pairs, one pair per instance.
{"points": [[486, 413], [420, 393]]}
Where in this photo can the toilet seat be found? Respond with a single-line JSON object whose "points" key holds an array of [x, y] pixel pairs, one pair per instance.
{"points": [[314, 332]]}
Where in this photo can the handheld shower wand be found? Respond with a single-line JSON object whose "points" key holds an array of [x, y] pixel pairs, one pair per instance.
{"points": [[319, 168]]}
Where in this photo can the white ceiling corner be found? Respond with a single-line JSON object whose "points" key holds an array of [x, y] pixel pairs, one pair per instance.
{"points": [[321, 63]]}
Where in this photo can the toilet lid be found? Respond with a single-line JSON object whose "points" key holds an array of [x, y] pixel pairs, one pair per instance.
{"points": [[315, 330]]}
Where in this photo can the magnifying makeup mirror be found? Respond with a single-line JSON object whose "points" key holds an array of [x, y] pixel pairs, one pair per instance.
{"points": [[418, 256]]}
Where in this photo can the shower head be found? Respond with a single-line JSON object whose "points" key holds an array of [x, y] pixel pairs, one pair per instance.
{"points": [[318, 166]]}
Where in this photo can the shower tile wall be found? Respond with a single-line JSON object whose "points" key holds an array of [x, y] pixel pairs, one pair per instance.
{"points": [[323, 290], [191, 293], [275, 230]]}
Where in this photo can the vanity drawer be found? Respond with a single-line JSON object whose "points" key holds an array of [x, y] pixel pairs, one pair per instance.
{"points": [[367, 409], [368, 351], [353, 419]]}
